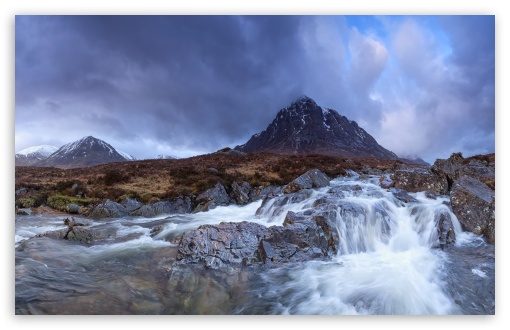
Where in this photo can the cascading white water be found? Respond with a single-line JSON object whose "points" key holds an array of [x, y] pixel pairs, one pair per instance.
{"points": [[386, 263]]}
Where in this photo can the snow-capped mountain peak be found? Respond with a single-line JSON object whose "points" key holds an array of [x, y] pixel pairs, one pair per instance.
{"points": [[32, 155], [85, 152], [43, 150], [303, 127]]}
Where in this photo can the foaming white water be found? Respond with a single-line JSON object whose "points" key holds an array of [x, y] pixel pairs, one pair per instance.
{"points": [[128, 248], [275, 210], [381, 282], [386, 262], [180, 223]]}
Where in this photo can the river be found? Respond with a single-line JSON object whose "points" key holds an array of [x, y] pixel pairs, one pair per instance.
{"points": [[387, 263]]}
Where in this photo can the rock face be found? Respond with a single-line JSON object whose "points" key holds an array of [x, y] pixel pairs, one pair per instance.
{"points": [[307, 128], [474, 205], [88, 151], [311, 179]]}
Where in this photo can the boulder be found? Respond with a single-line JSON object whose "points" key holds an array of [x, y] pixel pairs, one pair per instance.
{"points": [[445, 232], [211, 198], [274, 206], [481, 168], [240, 194], [415, 179], [108, 209], [474, 205], [131, 204], [311, 179], [72, 208], [385, 181], [301, 238], [403, 196], [181, 205], [265, 192], [371, 171], [214, 246], [24, 211]]}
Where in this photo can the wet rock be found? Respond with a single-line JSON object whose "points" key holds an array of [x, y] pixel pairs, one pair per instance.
{"points": [[24, 211], [474, 205], [445, 232], [131, 204], [72, 208], [108, 209], [371, 171], [85, 234], [211, 198], [415, 179], [265, 192], [301, 238], [273, 206], [240, 194], [215, 246], [311, 179], [386, 182], [403, 196], [180, 205], [457, 166], [430, 195], [156, 230], [75, 231]]}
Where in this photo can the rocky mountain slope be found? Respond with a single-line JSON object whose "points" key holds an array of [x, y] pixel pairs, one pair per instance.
{"points": [[33, 155], [88, 151], [307, 128]]}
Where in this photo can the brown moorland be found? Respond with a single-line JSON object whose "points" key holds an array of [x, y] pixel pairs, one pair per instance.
{"points": [[160, 179]]}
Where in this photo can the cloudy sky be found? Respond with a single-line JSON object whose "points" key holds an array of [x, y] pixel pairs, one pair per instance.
{"points": [[188, 85]]}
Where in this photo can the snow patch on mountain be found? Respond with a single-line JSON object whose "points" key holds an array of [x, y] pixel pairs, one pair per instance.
{"points": [[43, 150], [126, 155]]}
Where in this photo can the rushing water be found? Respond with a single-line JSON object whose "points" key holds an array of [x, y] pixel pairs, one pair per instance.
{"points": [[388, 262]]}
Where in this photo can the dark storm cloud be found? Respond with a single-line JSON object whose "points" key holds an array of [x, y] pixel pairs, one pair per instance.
{"points": [[207, 76], [190, 84]]}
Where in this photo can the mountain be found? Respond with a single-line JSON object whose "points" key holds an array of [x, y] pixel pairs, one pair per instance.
{"points": [[88, 151], [126, 155], [307, 128], [165, 157], [33, 155], [414, 160]]}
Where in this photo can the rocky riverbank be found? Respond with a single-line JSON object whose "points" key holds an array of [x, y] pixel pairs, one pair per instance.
{"points": [[310, 235]]}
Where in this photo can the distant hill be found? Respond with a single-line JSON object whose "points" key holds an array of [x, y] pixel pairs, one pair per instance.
{"points": [[33, 155], [88, 151], [304, 127], [414, 160]]}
